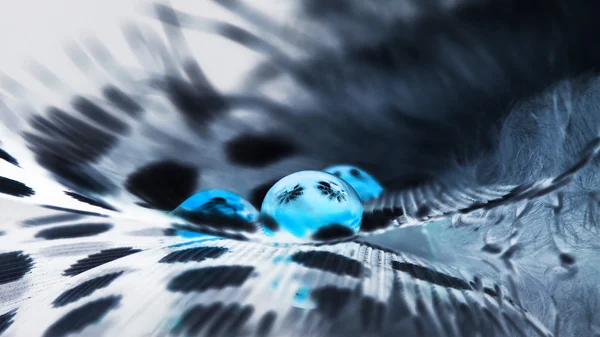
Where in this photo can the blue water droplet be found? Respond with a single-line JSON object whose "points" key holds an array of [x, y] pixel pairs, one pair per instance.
{"points": [[188, 234], [307, 203], [363, 183], [217, 203]]}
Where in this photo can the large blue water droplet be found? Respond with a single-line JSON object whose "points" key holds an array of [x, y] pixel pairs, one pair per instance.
{"points": [[312, 205], [211, 203], [363, 183]]}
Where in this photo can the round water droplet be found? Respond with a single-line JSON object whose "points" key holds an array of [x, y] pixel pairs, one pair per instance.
{"points": [[211, 204], [312, 205], [363, 183]]}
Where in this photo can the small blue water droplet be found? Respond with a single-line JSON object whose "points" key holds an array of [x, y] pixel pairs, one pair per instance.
{"points": [[188, 234], [307, 204], [217, 202], [302, 299], [363, 183]]}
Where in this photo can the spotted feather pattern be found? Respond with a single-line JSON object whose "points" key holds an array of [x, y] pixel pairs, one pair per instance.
{"points": [[87, 247]]}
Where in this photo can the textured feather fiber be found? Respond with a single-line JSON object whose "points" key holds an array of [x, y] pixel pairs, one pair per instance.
{"points": [[480, 118]]}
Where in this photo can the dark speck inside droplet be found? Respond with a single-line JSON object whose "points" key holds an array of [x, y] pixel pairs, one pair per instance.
{"points": [[355, 173]]}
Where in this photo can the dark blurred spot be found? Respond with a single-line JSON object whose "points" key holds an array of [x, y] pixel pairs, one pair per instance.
{"points": [[85, 289], [78, 319], [163, 185], [94, 260], [6, 156], [51, 219], [15, 188], [216, 277], [73, 231], [431, 276], [216, 220], [197, 254], [99, 116], [6, 320], [329, 262], [266, 324], [122, 101], [13, 266], [66, 146], [268, 222], [197, 105], [259, 150], [332, 232], [94, 202], [257, 195]]}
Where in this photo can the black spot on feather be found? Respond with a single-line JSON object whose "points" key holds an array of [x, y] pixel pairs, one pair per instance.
{"points": [[217, 277], [332, 232], [492, 248], [373, 221], [197, 105], [423, 211], [66, 145], [511, 252], [51, 219], [99, 115], [372, 313], [194, 254], [15, 188], [163, 185], [90, 201], [266, 324], [73, 231], [491, 292], [83, 178], [122, 101], [85, 289], [6, 156], [431, 276], [78, 319], [74, 211], [567, 259], [196, 318], [6, 320], [329, 262], [230, 320], [13, 266], [259, 150], [98, 259], [169, 232], [331, 300], [239, 35], [219, 319]]}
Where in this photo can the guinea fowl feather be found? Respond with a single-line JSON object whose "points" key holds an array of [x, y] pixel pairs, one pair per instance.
{"points": [[478, 118]]}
